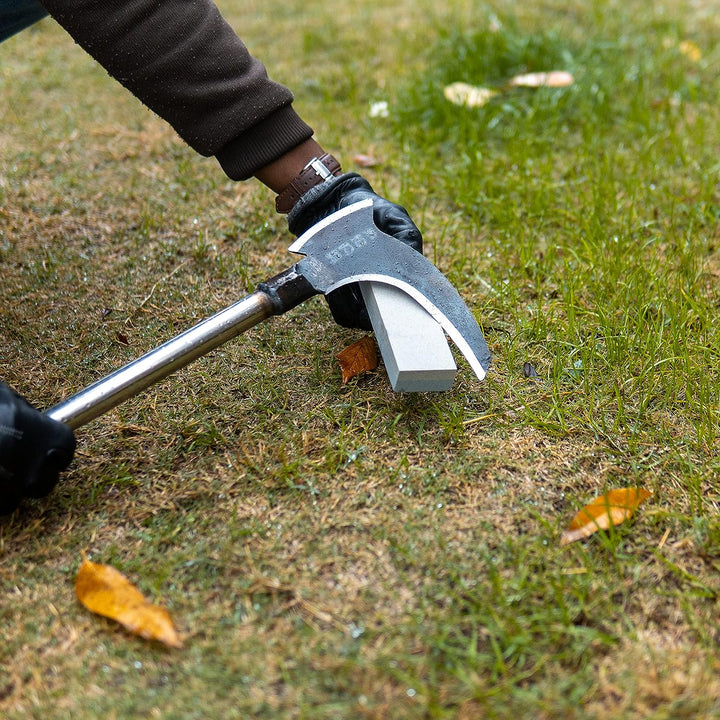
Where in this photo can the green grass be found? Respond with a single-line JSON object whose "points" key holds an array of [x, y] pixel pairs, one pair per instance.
{"points": [[340, 551], [600, 203]]}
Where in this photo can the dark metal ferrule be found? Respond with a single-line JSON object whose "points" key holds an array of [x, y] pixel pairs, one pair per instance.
{"points": [[287, 290]]}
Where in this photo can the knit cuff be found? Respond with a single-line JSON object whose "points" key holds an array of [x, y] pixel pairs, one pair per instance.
{"points": [[264, 143]]}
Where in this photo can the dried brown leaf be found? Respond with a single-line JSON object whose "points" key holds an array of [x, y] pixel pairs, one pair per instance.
{"points": [[611, 508], [107, 592], [359, 357]]}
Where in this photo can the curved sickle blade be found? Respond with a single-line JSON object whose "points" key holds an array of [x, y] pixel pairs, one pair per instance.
{"points": [[348, 247]]}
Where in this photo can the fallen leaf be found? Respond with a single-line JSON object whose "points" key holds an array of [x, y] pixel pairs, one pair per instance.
{"points": [[690, 50], [365, 161], [359, 357], [461, 93], [554, 78], [107, 592], [611, 508]]}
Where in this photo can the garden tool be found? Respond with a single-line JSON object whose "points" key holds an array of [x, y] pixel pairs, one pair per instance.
{"points": [[346, 247]]}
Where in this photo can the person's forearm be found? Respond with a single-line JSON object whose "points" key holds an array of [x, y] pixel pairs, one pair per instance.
{"points": [[280, 173], [297, 172]]}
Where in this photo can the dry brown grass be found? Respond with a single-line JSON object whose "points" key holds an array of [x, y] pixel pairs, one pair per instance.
{"points": [[327, 550]]}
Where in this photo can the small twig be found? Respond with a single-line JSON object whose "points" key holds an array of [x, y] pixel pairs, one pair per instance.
{"points": [[152, 290], [474, 420], [575, 571]]}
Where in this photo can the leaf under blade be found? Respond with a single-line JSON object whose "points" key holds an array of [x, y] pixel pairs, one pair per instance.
{"points": [[107, 592], [359, 357], [609, 509]]}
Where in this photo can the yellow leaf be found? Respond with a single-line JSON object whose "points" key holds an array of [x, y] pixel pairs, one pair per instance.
{"points": [[107, 592], [358, 357], [554, 78], [611, 508], [690, 50], [460, 93]]}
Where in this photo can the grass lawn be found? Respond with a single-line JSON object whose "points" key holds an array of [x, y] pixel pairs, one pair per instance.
{"points": [[333, 551]]}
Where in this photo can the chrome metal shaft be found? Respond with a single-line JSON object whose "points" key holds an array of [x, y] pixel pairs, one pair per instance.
{"points": [[157, 364]]}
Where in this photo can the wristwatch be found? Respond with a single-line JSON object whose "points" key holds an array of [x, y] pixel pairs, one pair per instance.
{"points": [[318, 170]]}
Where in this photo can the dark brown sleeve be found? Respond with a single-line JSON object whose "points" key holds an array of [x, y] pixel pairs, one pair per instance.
{"points": [[183, 61]]}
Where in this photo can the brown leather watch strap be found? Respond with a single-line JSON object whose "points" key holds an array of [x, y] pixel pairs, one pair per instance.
{"points": [[318, 170]]}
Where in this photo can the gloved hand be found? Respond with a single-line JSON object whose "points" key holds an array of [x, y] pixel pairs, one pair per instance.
{"points": [[346, 303], [34, 449]]}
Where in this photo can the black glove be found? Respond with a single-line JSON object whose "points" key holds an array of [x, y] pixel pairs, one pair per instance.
{"points": [[34, 449], [346, 303]]}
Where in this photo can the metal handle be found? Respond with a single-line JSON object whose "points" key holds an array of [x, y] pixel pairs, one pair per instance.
{"points": [[157, 364]]}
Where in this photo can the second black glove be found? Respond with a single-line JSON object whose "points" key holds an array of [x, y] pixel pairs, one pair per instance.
{"points": [[34, 449]]}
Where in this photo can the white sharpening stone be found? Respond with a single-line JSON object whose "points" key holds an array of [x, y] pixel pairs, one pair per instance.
{"points": [[412, 343]]}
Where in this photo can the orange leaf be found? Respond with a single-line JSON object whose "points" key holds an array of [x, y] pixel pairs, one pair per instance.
{"points": [[612, 508], [107, 592], [358, 357]]}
